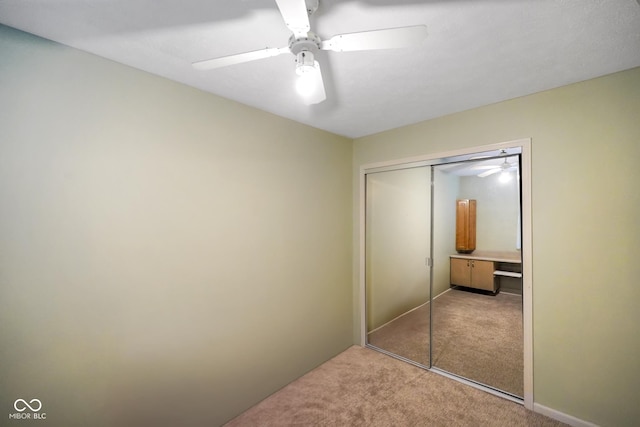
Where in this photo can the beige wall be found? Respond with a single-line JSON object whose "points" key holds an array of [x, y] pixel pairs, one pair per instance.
{"points": [[167, 257], [586, 205]]}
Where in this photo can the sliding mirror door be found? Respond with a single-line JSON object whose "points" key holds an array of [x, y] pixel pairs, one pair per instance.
{"points": [[461, 307], [477, 329], [397, 278]]}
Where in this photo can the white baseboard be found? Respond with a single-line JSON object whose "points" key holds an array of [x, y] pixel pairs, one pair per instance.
{"points": [[562, 417]]}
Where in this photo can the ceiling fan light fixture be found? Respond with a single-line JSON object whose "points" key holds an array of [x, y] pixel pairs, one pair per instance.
{"points": [[306, 84], [305, 63], [307, 70]]}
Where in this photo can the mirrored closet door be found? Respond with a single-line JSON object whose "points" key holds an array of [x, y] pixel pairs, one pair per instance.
{"points": [[398, 209], [477, 300], [445, 305]]}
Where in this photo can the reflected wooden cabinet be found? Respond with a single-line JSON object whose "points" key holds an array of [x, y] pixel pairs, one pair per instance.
{"points": [[473, 273], [465, 226]]}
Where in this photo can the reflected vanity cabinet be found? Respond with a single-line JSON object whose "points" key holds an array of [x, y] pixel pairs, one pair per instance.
{"points": [[465, 226], [473, 273]]}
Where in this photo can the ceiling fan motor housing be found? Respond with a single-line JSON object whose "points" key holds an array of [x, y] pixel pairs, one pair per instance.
{"points": [[304, 48]]}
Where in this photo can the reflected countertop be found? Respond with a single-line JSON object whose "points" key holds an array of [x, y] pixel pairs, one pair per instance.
{"points": [[497, 256]]}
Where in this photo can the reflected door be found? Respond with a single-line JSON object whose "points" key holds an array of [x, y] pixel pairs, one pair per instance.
{"points": [[398, 240]]}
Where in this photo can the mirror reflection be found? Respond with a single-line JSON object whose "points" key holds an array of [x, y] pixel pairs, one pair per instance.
{"points": [[397, 246], [477, 322], [464, 314]]}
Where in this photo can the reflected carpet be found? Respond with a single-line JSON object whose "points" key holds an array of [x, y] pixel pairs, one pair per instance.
{"points": [[476, 336]]}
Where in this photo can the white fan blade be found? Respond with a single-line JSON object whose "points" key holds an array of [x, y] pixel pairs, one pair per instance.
{"points": [[483, 167], [210, 64], [489, 172], [389, 38], [295, 15], [318, 94]]}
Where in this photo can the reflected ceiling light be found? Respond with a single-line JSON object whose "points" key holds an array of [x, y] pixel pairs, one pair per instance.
{"points": [[505, 176]]}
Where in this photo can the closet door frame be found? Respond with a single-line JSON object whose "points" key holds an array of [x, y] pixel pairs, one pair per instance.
{"points": [[527, 284]]}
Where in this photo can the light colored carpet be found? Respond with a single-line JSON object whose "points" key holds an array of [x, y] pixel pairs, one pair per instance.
{"points": [[362, 387], [476, 336]]}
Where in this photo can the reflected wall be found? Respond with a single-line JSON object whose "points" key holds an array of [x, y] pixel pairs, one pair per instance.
{"points": [[398, 205]]}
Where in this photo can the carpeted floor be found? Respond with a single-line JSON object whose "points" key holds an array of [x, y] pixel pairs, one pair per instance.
{"points": [[476, 336], [363, 387]]}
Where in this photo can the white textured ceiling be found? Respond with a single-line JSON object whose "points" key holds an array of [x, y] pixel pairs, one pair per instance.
{"points": [[478, 51]]}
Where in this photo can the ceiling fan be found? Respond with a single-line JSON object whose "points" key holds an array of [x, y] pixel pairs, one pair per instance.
{"points": [[504, 167], [305, 44]]}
